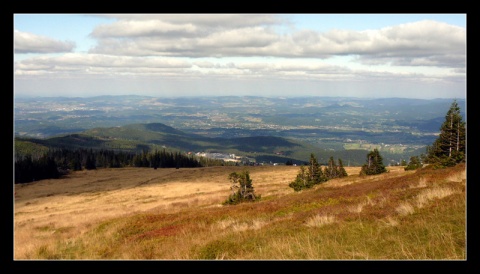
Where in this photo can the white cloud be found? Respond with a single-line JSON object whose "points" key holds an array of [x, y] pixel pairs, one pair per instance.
{"points": [[235, 49], [216, 21], [204, 64], [31, 43], [82, 65], [423, 43], [142, 28], [98, 64]]}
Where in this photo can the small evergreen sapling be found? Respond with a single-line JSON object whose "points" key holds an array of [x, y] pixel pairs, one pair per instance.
{"points": [[414, 163], [374, 164], [242, 188]]}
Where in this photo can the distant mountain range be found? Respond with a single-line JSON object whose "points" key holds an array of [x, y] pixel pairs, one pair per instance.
{"points": [[144, 137], [267, 129]]}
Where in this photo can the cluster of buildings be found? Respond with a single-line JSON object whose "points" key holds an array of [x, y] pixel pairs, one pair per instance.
{"points": [[220, 156]]}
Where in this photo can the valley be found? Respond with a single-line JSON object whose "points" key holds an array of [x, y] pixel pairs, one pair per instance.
{"points": [[398, 127]]}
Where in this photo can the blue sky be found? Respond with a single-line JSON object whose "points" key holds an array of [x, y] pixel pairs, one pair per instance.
{"points": [[360, 55]]}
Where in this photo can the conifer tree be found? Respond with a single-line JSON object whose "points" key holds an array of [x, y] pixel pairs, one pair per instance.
{"points": [[450, 146], [341, 170], [75, 163], [314, 172], [414, 163], [374, 164], [331, 170], [242, 188], [309, 176], [300, 181], [90, 162]]}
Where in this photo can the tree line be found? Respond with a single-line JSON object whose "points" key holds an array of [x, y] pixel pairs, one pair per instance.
{"points": [[312, 173], [447, 150], [58, 162]]}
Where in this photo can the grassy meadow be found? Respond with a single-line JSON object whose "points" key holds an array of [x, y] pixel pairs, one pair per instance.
{"points": [[177, 214]]}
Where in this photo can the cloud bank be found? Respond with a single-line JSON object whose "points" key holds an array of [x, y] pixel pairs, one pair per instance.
{"points": [[151, 47]]}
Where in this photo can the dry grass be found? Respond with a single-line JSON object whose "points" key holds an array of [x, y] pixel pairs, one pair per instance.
{"points": [[422, 182], [435, 193], [405, 208], [236, 225], [320, 220], [136, 213], [91, 196]]}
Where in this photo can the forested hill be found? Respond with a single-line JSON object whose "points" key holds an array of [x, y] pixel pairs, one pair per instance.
{"points": [[148, 137], [259, 127], [218, 116]]}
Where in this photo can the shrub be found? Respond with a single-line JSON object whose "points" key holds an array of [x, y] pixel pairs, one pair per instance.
{"points": [[242, 188], [414, 163], [309, 176], [374, 164]]}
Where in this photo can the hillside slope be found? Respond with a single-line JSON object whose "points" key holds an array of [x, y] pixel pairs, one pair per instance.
{"points": [[139, 137], [136, 213]]}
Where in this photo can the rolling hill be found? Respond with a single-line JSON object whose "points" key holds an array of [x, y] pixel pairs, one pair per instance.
{"points": [[178, 214], [138, 137], [345, 128], [151, 136]]}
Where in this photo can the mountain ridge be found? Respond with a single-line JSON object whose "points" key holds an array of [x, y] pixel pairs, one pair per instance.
{"points": [[399, 127], [150, 136]]}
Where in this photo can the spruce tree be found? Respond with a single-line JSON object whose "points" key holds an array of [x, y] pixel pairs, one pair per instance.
{"points": [[331, 169], [314, 171], [449, 148], [341, 170], [300, 181], [90, 162], [309, 175], [75, 163], [374, 164], [242, 188], [414, 163]]}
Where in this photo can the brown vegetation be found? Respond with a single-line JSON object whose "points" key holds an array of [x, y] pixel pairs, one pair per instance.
{"points": [[142, 213]]}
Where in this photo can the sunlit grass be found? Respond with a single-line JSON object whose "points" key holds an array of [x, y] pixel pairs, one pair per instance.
{"points": [[434, 193], [394, 216], [320, 220]]}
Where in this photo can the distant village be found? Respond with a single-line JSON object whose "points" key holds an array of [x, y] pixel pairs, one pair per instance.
{"points": [[220, 156], [231, 158]]}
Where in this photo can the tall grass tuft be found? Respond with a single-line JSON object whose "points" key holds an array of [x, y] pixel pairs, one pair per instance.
{"points": [[429, 194], [320, 220], [405, 208]]}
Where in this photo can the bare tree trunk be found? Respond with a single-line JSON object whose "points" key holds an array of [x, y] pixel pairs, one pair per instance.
{"points": [[458, 137], [450, 138]]}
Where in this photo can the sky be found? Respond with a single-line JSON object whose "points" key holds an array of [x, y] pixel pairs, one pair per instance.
{"points": [[273, 55]]}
